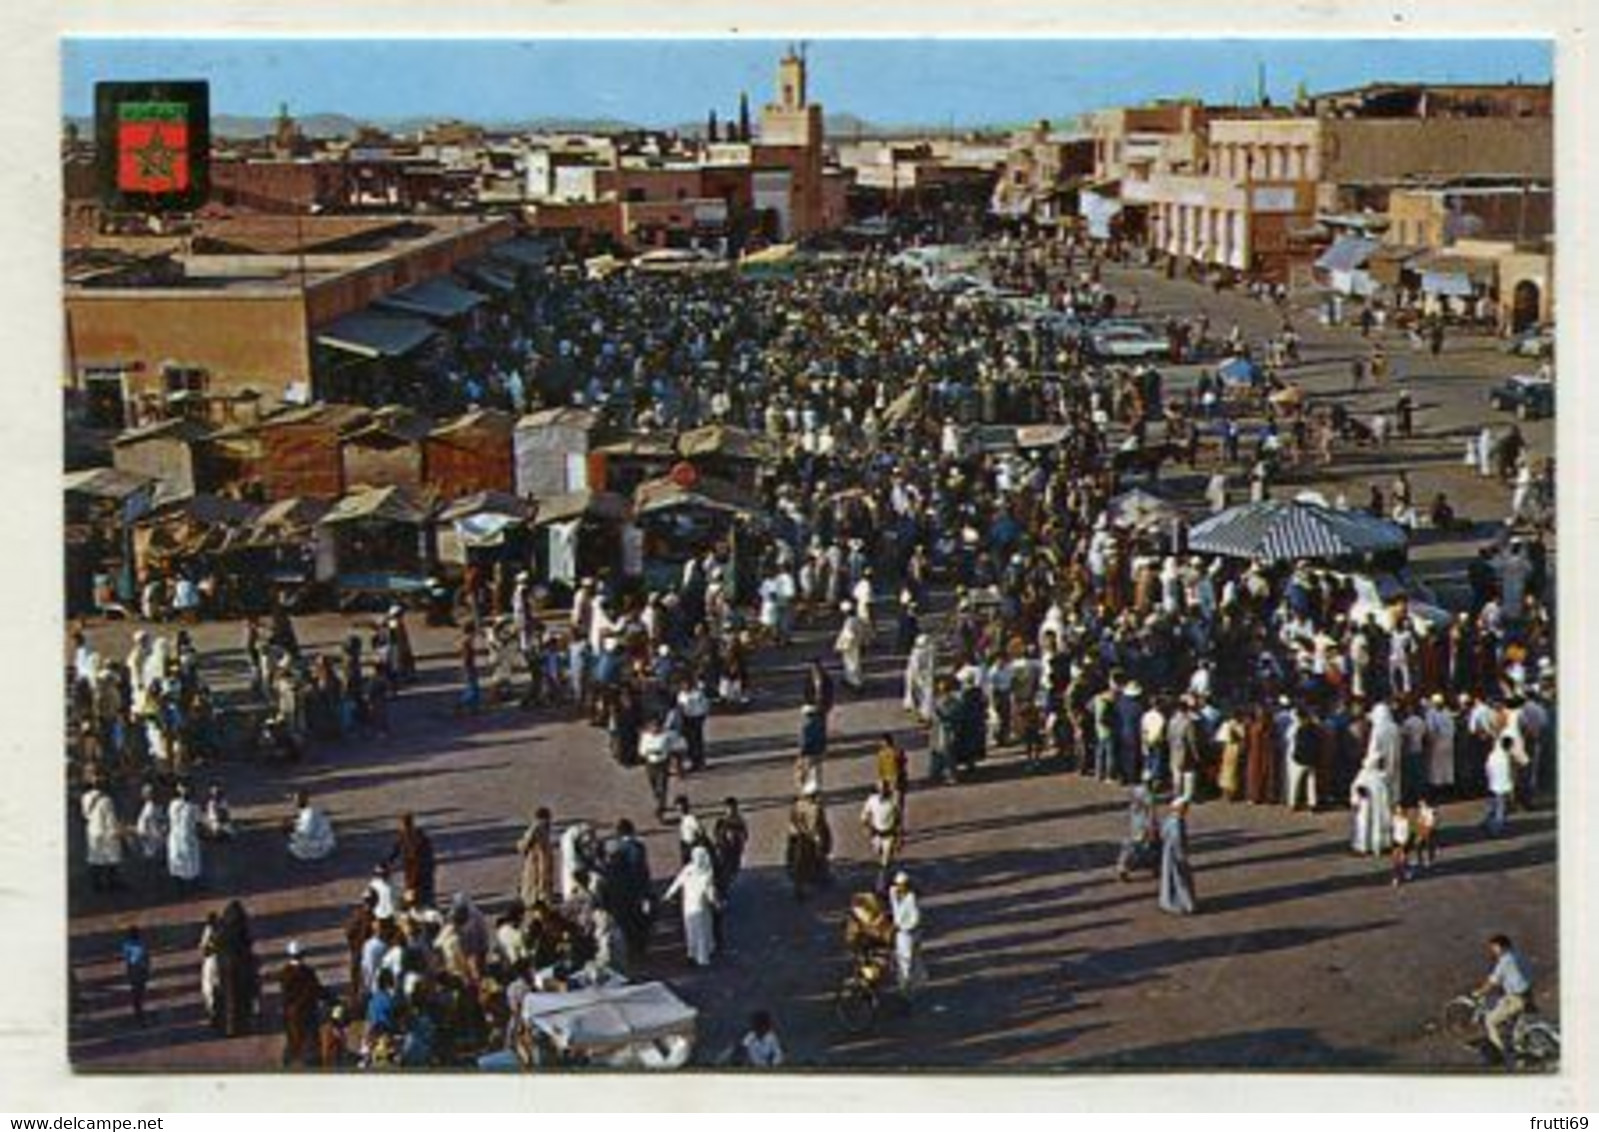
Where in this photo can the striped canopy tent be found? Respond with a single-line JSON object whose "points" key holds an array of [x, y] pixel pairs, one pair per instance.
{"points": [[1286, 530]]}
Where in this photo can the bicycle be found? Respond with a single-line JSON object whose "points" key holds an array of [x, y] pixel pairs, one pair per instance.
{"points": [[859, 998], [1534, 1042]]}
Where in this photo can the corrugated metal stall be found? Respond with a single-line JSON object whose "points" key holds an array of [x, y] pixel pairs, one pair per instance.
{"points": [[472, 453], [167, 451], [552, 451], [386, 451], [300, 451]]}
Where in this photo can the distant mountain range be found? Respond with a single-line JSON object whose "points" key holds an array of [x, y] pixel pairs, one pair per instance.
{"points": [[840, 127]]}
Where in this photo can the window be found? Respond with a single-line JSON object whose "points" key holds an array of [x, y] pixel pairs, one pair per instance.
{"points": [[183, 379]]}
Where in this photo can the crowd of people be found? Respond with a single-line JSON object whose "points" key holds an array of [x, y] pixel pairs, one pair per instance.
{"points": [[1030, 617]]}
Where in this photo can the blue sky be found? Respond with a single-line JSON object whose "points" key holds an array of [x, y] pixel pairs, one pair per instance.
{"points": [[663, 82]]}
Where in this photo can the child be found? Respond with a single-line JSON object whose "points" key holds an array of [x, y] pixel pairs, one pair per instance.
{"points": [[1399, 855], [1425, 832], [136, 962], [216, 823]]}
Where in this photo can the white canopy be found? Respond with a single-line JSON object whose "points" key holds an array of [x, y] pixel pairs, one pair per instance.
{"points": [[602, 1018]]}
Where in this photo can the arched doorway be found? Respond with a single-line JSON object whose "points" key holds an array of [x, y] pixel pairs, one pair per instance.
{"points": [[1524, 305]]}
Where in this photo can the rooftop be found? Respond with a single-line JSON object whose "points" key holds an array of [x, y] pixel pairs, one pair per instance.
{"points": [[283, 259]]}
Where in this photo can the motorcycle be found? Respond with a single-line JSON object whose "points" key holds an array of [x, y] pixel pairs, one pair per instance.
{"points": [[1533, 1041]]}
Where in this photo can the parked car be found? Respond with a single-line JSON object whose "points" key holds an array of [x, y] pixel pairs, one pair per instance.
{"points": [[1534, 342], [1129, 343], [1528, 395]]}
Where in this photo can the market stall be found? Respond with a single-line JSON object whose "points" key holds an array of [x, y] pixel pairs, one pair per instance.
{"points": [[482, 529], [379, 543], [1289, 530], [583, 533]]}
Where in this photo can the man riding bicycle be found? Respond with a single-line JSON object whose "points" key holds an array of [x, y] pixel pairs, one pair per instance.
{"points": [[1511, 989], [869, 930]]}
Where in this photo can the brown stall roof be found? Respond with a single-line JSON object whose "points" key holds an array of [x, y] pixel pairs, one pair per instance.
{"points": [[710, 494], [563, 415], [488, 503], [105, 483], [331, 415], [606, 506], [725, 440], [493, 420], [177, 428], [377, 504], [391, 425]]}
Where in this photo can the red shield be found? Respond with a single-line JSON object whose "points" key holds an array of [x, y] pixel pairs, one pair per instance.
{"points": [[152, 155]]}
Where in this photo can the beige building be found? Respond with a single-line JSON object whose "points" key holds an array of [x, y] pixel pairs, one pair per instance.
{"points": [[1230, 188]]}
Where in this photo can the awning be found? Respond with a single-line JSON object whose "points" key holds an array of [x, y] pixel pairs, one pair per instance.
{"points": [[706, 494], [491, 502], [485, 529], [293, 513], [603, 506], [377, 504], [489, 274], [600, 1018], [902, 408], [1280, 531], [1346, 253], [440, 297], [1440, 262], [1040, 436], [1448, 283], [374, 335], [106, 483], [1238, 371], [524, 252], [729, 442], [1387, 264]]}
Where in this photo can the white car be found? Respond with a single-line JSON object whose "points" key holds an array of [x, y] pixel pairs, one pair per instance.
{"points": [[1129, 343]]}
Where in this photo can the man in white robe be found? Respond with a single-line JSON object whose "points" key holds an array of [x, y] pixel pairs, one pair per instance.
{"points": [[920, 669], [696, 883], [1440, 744], [183, 837], [150, 830], [907, 914], [103, 836], [850, 644], [310, 831], [862, 597]]}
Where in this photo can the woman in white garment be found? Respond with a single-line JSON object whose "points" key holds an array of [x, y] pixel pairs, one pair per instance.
{"points": [[1372, 807], [150, 830], [574, 856], [1386, 747], [920, 668], [103, 836], [696, 884], [138, 655], [183, 837], [310, 831]]}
